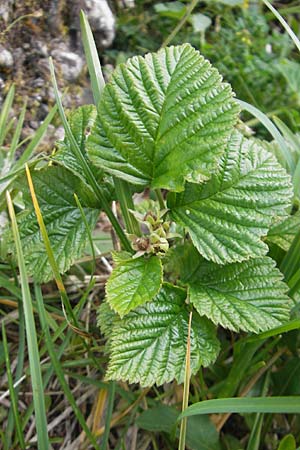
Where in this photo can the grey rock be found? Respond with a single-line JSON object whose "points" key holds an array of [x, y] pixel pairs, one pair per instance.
{"points": [[71, 64], [6, 9], [6, 58], [100, 17], [102, 21]]}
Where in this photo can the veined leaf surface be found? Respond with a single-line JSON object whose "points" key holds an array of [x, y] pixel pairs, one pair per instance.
{"points": [[283, 232], [246, 296], [55, 188], [148, 345], [81, 120], [133, 282], [227, 216], [163, 118]]}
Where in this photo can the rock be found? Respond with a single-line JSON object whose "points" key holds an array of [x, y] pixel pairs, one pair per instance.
{"points": [[6, 9], [100, 17], [6, 58], [71, 64], [101, 20]]}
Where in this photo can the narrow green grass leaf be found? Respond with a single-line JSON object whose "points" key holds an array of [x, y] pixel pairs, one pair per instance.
{"points": [[17, 133], [291, 262], [92, 59], [48, 247], [284, 24], [292, 325], [13, 395], [34, 360], [186, 387], [255, 435], [109, 411], [58, 368], [5, 110], [280, 405], [18, 374], [38, 136], [273, 130]]}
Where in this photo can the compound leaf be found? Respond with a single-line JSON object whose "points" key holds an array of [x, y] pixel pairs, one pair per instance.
{"points": [[55, 188], [227, 216], [148, 345], [246, 296], [133, 282], [163, 118]]}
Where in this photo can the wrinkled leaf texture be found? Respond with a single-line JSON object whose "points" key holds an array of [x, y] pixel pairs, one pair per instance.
{"points": [[148, 345], [247, 296], [227, 216], [55, 188], [163, 118], [133, 282]]}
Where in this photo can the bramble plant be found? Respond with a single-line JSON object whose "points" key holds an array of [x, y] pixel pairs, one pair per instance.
{"points": [[166, 123]]}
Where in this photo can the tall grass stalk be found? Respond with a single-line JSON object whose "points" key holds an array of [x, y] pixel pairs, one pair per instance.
{"points": [[34, 360]]}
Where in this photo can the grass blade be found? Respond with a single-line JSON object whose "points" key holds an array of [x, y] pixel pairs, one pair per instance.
{"points": [[283, 405], [50, 254], [34, 360], [292, 325], [110, 406], [273, 130], [186, 388], [12, 392], [17, 133], [291, 261], [38, 136], [18, 375], [284, 24], [58, 369], [5, 113], [91, 54]]}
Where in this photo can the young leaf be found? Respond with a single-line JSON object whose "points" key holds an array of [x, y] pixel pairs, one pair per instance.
{"points": [[246, 296], [163, 118], [148, 345], [283, 232], [133, 282], [227, 216], [55, 188]]}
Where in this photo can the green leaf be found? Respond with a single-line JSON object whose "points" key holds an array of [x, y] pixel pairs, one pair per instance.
{"points": [[227, 216], [279, 405], [201, 433], [287, 443], [55, 188], [246, 296], [149, 344], [133, 282], [174, 10], [283, 232], [163, 118], [200, 22]]}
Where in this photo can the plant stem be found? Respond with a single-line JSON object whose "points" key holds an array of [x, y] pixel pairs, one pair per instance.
{"points": [[180, 24], [124, 197], [160, 199], [186, 388]]}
